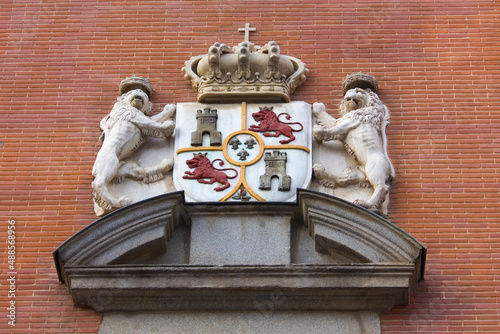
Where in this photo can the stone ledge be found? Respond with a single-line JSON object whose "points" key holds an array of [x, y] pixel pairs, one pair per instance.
{"points": [[373, 264], [340, 288]]}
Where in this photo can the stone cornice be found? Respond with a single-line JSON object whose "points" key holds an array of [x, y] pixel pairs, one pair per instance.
{"points": [[375, 265], [299, 287]]}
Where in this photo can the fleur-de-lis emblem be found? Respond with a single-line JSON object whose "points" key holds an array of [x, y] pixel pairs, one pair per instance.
{"points": [[235, 143]]}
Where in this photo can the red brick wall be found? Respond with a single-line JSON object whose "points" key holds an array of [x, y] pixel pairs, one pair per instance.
{"points": [[438, 64]]}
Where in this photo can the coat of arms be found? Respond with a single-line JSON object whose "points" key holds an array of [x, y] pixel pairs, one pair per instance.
{"points": [[242, 151], [244, 140], [227, 149]]}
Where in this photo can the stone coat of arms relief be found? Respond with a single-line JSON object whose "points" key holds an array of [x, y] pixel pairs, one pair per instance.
{"points": [[245, 148], [240, 194], [244, 139]]}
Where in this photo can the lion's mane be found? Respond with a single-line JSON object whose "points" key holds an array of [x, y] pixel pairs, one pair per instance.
{"points": [[373, 113], [123, 111]]}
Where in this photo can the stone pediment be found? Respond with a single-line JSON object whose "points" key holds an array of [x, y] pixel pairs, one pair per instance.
{"points": [[320, 253]]}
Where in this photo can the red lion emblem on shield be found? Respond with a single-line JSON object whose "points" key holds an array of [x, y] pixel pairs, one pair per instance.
{"points": [[269, 121], [204, 169]]}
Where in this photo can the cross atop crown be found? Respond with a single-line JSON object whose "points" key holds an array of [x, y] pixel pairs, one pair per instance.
{"points": [[247, 31], [245, 72]]}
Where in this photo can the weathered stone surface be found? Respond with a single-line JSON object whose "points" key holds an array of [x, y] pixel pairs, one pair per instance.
{"points": [[339, 227], [361, 160], [263, 319], [240, 239], [203, 288], [135, 156], [142, 229], [115, 264]]}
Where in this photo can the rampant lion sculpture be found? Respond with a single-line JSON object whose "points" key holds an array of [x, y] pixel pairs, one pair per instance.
{"points": [[269, 121], [204, 169], [362, 131], [125, 129]]}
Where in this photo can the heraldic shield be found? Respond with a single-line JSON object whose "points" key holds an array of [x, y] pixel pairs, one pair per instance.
{"points": [[243, 152]]}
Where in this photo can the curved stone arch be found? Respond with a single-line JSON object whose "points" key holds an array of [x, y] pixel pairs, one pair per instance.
{"points": [[124, 234], [379, 264], [366, 235]]}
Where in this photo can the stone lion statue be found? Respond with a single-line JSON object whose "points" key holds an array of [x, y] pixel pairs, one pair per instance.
{"points": [[125, 129], [361, 129]]}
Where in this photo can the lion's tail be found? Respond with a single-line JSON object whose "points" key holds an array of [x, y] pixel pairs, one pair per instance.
{"points": [[221, 163], [385, 123], [290, 123]]}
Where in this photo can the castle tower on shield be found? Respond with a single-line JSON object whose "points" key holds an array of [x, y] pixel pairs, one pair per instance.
{"points": [[275, 167], [207, 123]]}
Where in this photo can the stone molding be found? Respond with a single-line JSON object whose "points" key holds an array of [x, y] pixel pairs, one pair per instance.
{"points": [[199, 288], [376, 265], [364, 233]]}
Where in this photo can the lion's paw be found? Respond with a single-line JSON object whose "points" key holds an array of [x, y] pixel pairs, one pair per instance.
{"points": [[169, 127], [369, 206], [325, 179], [351, 176], [362, 203], [318, 109], [170, 109], [327, 184], [124, 201], [365, 204], [119, 179], [319, 132]]}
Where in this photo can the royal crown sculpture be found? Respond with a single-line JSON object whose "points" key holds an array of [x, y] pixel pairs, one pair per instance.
{"points": [[245, 72]]}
